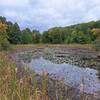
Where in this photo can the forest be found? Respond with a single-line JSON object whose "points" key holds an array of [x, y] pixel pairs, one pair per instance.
{"points": [[84, 33]]}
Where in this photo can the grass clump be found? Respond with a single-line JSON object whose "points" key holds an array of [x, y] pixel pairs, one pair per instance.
{"points": [[17, 84]]}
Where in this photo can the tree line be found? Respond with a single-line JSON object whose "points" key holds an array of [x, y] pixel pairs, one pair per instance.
{"points": [[79, 33]]}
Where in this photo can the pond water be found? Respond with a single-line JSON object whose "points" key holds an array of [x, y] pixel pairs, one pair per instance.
{"points": [[72, 75]]}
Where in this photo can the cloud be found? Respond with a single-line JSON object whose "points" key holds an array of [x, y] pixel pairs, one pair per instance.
{"points": [[44, 14], [14, 3]]}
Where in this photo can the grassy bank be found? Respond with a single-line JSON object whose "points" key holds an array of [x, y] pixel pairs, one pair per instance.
{"points": [[13, 87]]}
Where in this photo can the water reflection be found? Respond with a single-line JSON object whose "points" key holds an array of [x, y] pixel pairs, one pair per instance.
{"points": [[73, 75]]}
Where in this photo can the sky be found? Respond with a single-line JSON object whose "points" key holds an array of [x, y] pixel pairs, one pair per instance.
{"points": [[45, 14]]}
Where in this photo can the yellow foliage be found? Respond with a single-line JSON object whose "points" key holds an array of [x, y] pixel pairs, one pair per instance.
{"points": [[3, 28], [3, 34], [96, 32]]}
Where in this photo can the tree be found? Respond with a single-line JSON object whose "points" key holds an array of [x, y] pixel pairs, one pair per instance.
{"points": [[3, 34], [54, 35], [4, 44], [26, 36], [45, 37], [14, 33], [79, 33], [96, 33], [36, 36], [2, 19]]}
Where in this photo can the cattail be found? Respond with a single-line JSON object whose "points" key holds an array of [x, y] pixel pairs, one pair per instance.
{"points": [[16, 69], [21, 81]]}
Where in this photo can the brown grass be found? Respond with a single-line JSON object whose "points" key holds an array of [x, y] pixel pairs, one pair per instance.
{"points": [[30, 46]]}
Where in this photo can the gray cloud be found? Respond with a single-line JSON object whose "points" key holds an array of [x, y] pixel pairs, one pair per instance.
{"points": [[44, 14]]}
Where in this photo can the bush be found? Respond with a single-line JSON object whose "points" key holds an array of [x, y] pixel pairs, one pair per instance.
{"points": [[97, 44], [5, 45]]}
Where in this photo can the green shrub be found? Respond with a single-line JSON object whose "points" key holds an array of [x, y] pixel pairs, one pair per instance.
{"points": [[97, 44], [5, 45]]}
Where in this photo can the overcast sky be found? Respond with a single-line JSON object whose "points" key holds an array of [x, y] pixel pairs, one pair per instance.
{"points": [[44, 14]]}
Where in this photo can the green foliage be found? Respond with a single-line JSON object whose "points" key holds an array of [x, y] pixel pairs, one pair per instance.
{"points": [[3, 34], [5, 45], [12, 31], [96, 33], [80, 37], [2, 19], [36, 36], [26, 36], [79, 33], [45, 37], [54, 35], [97, 44], [14, 34]]}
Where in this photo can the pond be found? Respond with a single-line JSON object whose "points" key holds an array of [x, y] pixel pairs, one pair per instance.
{"points": [[72, 75]]}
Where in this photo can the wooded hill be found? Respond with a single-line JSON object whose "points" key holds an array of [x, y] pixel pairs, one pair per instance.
{"points": [[79, 33]]}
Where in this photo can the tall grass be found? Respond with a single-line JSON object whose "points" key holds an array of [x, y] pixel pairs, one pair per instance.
{"points": [[13, 87]]}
